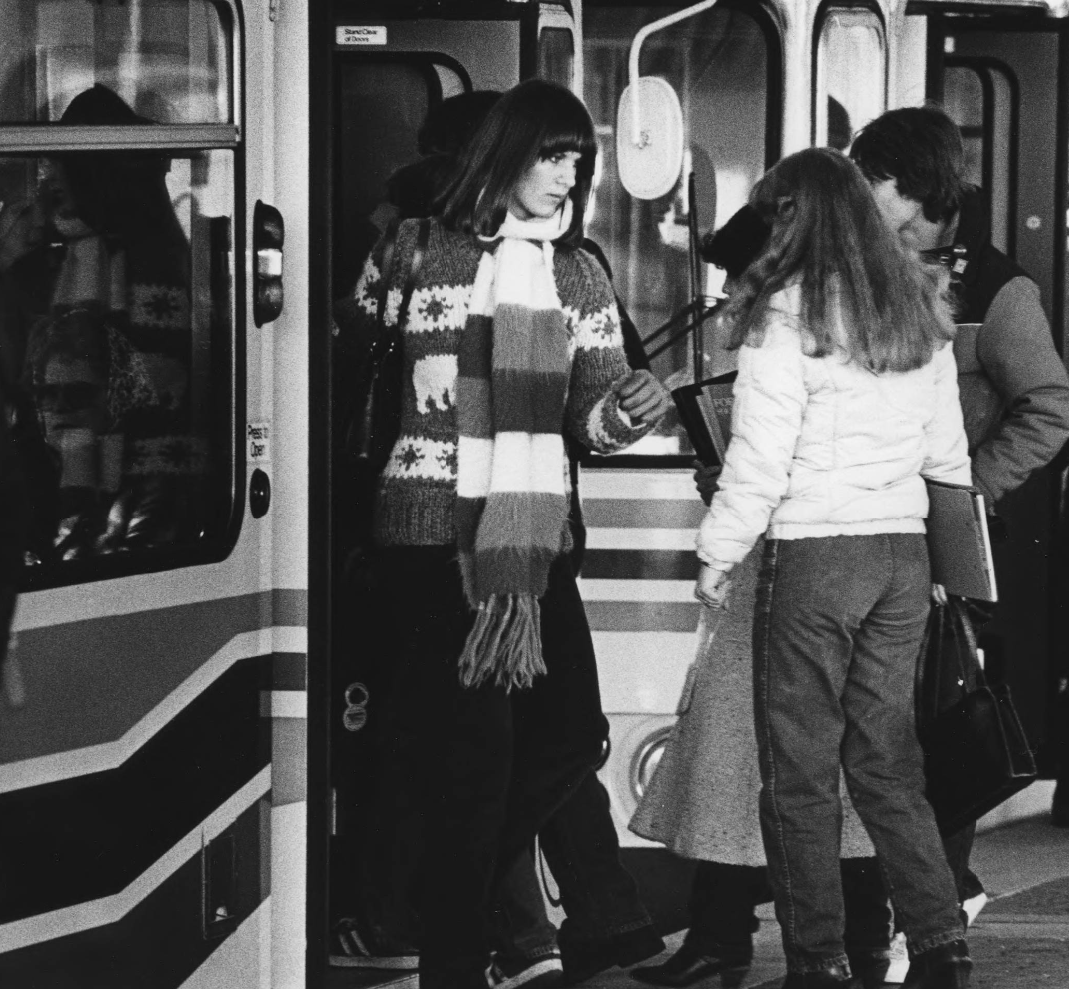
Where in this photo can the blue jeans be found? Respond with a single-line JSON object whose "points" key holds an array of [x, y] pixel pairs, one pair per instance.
{"points": [[837, 631]]}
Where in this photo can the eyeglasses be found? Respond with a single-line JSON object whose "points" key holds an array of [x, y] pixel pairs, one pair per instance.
{"points": [[69, 396]]}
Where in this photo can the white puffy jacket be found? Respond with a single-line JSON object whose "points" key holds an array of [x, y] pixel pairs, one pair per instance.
{"points": [[823, 447]]}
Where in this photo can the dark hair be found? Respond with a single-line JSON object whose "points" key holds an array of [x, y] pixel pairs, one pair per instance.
{"points": [[920, 148], [532, 121], [123, 196], [450, 124], [829, 239]]}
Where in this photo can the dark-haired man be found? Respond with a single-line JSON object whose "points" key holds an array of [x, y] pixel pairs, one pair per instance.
{"points": [[1013, 385]]}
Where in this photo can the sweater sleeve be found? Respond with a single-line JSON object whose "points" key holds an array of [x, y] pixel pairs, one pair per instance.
{"points": [[766, 421], [947, 453], [355, 316], [593, 415], [1016, 351]]}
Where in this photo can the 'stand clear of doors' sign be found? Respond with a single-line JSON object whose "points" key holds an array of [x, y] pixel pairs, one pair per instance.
{"points": [[360, 34]]}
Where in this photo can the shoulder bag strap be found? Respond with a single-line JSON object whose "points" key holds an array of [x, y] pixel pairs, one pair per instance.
{"points": [[389, 249]]}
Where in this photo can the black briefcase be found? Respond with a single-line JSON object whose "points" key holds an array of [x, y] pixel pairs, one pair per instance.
{"points": [[976, 754]]}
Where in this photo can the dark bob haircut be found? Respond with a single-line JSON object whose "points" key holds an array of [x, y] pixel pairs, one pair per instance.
{"points": [[920, 148], [532, 121]]}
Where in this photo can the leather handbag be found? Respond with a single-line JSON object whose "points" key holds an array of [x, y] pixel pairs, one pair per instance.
{"points": [[375, 415], [976, 754]]}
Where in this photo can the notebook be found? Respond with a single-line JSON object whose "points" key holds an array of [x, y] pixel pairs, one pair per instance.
{"points": [[958, 541], [705, 411]]}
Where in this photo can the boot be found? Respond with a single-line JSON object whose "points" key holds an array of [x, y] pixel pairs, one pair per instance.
{"points": [[689, 964], [946, 966], [829, 978]]}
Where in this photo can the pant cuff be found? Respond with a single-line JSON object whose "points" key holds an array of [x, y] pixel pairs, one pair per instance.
{"points": [[814, 965], [934, 941]]}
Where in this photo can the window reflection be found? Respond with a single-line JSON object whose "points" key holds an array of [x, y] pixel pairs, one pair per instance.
{"points": [[115, 272], [718, 62]]}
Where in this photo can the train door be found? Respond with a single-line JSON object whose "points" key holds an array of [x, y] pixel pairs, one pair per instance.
{"points": [[137, 792], [1002, 80], [386, 72]]}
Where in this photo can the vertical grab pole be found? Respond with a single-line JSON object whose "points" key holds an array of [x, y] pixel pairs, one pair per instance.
{"points": [[697, 294]]}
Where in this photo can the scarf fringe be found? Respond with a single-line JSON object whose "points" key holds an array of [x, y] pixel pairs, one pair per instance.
{"points": [[505, 643]]}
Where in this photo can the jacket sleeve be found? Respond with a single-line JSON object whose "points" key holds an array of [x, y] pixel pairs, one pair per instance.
{"points": [[1016, 351], [766, 421], [593, 415], [947, 448]]}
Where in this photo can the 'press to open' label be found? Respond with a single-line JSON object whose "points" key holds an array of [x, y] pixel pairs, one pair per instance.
{"points": [[360, 34], [258, 438]]}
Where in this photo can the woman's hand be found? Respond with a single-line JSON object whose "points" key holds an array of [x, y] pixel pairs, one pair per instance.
{"points": [[939, 594], [713, 587], [643, 397], [707, 480]]}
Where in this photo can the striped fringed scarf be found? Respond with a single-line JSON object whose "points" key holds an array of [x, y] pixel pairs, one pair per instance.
{"points": [[513, 367]]}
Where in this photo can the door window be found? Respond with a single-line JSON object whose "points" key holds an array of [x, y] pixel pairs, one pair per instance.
{"points": [[724, 66]]}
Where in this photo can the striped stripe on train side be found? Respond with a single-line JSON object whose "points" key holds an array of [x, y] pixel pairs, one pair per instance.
{"points": [[174, 747], [638, 589]]}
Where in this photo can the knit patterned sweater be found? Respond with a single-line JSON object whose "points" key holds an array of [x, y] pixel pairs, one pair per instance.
{"points": [[417, 490]]}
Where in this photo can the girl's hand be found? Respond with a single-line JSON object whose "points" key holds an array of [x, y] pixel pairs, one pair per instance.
{"points": [[706, 479], [643, 397], [713, 587]]}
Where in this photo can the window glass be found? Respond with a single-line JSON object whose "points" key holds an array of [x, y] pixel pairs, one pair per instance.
{"points": [[168, 59], [718, 63], [981, 98], [115, 331], [851, 74], [117, 270], [556, 55], [382, 104]]}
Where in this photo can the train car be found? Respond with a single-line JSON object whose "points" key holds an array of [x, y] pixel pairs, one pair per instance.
{"points": [[185, 702]]}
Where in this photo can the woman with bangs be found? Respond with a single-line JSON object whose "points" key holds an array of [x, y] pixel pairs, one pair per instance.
{"points": [[511, 339], [846, 400]]}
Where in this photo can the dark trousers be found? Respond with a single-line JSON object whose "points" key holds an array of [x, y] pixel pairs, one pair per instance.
{"points": [[724, 899], [838, 625], [473, 774], [599, 896]]}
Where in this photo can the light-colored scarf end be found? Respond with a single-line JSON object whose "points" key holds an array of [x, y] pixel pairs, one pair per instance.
{"points": [[504, 644]]}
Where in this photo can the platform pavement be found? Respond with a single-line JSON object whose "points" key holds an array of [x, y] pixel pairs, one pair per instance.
{"points": [[1023, 865], [1020, 941]]}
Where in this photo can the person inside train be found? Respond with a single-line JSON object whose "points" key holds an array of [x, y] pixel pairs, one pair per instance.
{"points": [[501, 716], [702, 802], [606, 922], [1013, 386], [846, 399], [102, 240]]}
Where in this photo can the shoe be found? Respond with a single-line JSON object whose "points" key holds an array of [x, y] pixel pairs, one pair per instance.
{"points": [[537, 973], [688, 965], [356, 945], [946, 966], [869, 968], [585, 957], [829, 978], [898, 968], [1059, 808], [972, 907]]}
